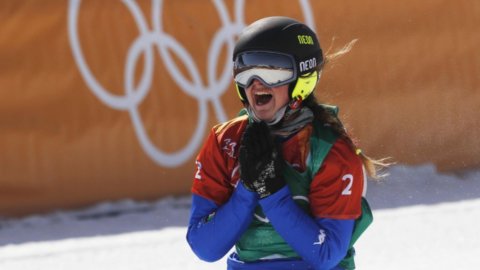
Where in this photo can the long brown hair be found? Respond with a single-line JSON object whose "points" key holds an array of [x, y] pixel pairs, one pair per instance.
{"points": [[372, 166]]}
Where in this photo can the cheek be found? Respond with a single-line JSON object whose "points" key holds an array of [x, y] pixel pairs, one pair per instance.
{"points": [[282, 95], [249, 96]]}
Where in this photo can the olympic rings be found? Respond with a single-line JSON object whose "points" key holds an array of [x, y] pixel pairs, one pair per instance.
{"points": [[165, 44]]}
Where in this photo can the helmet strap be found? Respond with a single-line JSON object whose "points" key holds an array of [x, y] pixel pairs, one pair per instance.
{"points": [[295, 103]]}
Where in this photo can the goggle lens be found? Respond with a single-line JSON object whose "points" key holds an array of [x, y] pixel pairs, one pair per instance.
{"points": [[273, 69]]}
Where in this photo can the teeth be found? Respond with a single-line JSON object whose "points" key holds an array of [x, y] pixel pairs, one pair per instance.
{"points": [[261, 93]]}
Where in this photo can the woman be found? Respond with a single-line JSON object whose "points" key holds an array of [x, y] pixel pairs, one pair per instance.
{"points": [[283, 184]]}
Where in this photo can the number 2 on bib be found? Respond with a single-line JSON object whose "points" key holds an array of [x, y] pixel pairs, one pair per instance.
{"points": [[348, 188]]}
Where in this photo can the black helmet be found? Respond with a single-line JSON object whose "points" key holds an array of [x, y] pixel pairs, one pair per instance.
{"points": [[278, 44]]}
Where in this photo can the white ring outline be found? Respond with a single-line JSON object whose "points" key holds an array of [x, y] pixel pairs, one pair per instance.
{"points": [[163, 41]]}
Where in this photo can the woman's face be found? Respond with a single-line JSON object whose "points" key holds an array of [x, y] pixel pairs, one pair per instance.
{"points": [[265, 101]]}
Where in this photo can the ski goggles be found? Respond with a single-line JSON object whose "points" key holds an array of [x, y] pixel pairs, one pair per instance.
{"points": [[271, 68]]}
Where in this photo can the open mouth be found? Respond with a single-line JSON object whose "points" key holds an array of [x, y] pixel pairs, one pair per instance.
{"points": [[262, 98]]}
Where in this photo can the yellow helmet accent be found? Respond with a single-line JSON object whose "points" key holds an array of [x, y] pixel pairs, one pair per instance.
{"points": [[305, 85], [239, 92]]}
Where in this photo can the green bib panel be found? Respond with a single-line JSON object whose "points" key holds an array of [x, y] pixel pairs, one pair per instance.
{"points": [[261, 241]]}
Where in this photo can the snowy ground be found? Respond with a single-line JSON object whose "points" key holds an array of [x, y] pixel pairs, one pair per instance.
{"points": [[423, 220]]}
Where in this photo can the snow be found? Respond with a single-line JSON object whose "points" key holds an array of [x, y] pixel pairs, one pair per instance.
{"points": [[422, 220]]}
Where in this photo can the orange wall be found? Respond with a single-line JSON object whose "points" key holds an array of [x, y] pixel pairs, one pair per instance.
{"points": [[101, 100]]}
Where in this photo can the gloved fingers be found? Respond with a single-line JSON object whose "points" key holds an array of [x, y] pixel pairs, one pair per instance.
{"points": [[243, 155], [249, 137], [257, 140], [262, 141]]}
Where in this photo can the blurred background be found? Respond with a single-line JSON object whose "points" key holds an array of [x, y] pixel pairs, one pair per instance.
{"points": [[105, 100]]}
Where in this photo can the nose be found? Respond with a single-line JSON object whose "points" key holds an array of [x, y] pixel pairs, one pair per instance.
{"points": [[257, 83]]}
